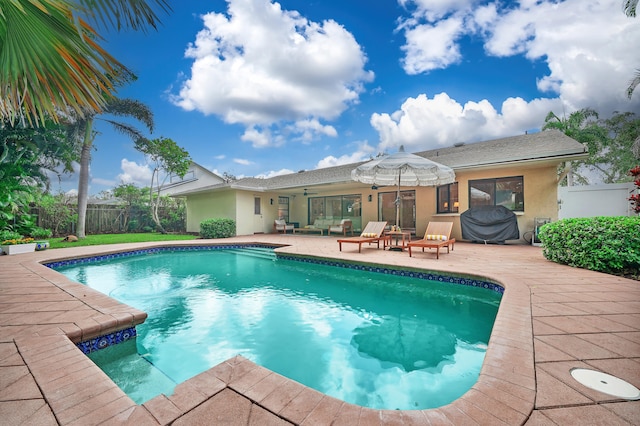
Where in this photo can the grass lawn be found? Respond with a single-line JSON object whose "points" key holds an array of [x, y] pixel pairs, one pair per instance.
{"points": [[94, 240]]}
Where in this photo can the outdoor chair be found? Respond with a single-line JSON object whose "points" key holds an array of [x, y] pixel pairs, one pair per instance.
{"points": [[280, 225], [372, 233], [438, 235], [345, 226]]}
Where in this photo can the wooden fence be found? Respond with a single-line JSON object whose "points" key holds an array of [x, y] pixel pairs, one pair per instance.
{"points": [[107, 219]]}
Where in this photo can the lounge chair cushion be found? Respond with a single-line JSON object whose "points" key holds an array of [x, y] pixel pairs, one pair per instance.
{"points": [[436, 237], [369, 234]]}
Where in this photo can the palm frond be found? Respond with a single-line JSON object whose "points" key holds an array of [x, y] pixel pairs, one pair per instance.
{"points": [[131, 108], [133, 14], [633, 84], [630, 7], [50, 61]]}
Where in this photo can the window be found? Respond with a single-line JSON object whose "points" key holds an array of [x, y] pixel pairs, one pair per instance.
{"points": [[335, 208], [256, 205], [508, 192], [387, 208], [283, 208], [448, 198], [190, 175]]}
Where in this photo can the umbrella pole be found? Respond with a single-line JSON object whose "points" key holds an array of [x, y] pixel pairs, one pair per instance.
{"points": [[398, 201], [396, 248]]}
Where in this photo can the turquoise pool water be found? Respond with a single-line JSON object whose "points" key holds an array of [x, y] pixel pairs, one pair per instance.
{"points": [[372, 339]]}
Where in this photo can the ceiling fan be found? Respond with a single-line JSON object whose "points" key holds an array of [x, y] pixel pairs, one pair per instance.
{"points": [[306, 192]]}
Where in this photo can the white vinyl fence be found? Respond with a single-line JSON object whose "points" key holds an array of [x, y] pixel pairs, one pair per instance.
{"points": [[595, 200]]}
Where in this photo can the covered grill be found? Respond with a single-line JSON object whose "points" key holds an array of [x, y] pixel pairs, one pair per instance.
{"points": [[489, 224]]}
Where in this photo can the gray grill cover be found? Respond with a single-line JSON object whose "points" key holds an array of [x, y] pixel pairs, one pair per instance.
{"points": [[489, 224]]}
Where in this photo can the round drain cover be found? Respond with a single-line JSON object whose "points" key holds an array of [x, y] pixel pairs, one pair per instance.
{"points": [[606, 383]]}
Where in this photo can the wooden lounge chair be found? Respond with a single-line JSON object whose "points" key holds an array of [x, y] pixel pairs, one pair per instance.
{"points": [[344, 227], [372, 233], [438, 235]]}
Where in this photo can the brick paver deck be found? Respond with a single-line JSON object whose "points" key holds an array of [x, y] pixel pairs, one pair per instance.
{"points": [[552, 318]]}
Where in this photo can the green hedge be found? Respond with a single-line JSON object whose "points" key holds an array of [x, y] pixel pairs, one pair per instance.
{"points": [[218, 228], [605, 244]]}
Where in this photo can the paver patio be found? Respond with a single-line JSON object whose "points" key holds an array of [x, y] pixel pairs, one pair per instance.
{"points": [[552, 318]]}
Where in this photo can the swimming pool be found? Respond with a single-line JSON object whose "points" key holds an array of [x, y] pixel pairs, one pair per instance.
{"points": [[365, 337]]}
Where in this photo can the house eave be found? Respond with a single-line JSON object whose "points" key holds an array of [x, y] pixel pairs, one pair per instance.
{"points": [[520, 162]]}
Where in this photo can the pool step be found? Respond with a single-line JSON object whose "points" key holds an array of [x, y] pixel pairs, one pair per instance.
{"points": [[260, 252]]}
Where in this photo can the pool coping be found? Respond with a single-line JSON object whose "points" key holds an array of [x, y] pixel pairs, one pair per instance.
{"points": [[504, 393]]}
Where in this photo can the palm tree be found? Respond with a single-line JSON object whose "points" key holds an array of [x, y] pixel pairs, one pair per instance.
{"points": [[630, 7], [580, 126], [81, 129], [50, 59]]}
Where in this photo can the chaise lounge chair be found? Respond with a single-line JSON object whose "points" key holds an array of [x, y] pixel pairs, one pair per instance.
{"points": [[372, 233], [344, 227], [280, 225], [438, 235]]}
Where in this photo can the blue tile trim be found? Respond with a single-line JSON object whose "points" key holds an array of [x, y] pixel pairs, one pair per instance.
{"points": [[82, 260], [424, 275], [103, 342]]}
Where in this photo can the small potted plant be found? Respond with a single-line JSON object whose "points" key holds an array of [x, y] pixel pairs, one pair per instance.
{"points": [[41, 235], [14, 243]]}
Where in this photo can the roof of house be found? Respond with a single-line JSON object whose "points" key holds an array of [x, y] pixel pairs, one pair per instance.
{"points": [[542, 146]]}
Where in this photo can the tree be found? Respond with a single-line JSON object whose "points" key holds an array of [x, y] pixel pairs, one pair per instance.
{"points": [[133, 198], [615, 156], [168, 158], [22, 168], [582, 126], [228, 177], [610, 142], [630, 7], [50, 59], [80, 129]]}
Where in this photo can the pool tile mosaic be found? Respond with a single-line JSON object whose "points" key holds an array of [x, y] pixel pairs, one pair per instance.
{"points": [[119, 255], [105, 341], [400, 272]]}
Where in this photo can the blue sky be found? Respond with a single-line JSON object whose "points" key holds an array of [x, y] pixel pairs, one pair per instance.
{"points": [[260, 88]]}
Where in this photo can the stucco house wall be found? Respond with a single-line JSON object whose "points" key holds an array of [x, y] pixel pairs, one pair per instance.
{"points": [[540, 197], [535, 157], [203, 206]]}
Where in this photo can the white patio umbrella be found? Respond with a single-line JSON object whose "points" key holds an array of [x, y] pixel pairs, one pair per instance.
{"points": [[403, 169]]}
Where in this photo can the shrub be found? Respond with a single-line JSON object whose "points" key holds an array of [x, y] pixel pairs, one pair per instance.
{"points": [[9, 235], [40, 233], [218, 228], [604, 244]]}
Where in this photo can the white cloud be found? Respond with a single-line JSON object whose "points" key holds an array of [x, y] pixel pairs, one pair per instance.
{"points": [[363, 153], [274, 173], [423, 123], [435, 9], [260, 66], [430, 47], [310, 129], [132, 172], [258, 138], [242, 161], [590, 48]]}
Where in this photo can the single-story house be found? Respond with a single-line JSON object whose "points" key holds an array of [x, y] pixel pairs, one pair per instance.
{"points": [[519, 172]]}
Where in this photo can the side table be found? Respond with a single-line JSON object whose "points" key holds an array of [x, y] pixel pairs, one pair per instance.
{"points": [[398, 240]]}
